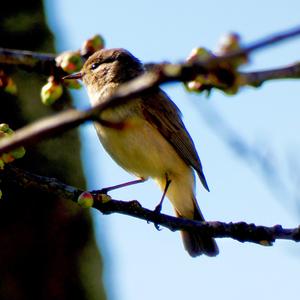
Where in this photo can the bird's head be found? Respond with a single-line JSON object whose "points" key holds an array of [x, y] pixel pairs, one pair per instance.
{"points": [[108, 66]]}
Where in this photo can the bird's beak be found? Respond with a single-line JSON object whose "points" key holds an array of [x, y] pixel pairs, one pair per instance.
{"points": [[77, 75]]}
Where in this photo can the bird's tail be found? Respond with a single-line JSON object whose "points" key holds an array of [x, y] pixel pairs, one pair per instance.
{"points": [[195, 243]]}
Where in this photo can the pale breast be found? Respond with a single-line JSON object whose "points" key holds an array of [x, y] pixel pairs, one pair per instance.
{"points": [[140, 149]]}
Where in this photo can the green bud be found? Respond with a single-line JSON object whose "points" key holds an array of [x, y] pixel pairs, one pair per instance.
{"points": [[9, 132], [14, 154], [199, 54], [229, 42], [85, 200], [7, 158], [51, 92], [97, 42], [7, 84], [92, 45], [69, 61], [2, 164], [4, 127], [11, 87], [18, 153]]}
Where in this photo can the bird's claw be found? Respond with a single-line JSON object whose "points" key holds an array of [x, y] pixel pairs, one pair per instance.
{"points": [[157, 227], [158, 208]]}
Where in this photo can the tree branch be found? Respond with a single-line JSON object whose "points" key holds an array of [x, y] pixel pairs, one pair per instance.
{"points": [[257, 78], [30, 61], [240, 231], [159, 73]]}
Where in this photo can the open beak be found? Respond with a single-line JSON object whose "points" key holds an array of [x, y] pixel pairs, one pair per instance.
{"points": [[73, 76]]}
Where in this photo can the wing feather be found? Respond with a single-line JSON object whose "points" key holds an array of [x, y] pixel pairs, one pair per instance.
{"points": [[164, 115]]}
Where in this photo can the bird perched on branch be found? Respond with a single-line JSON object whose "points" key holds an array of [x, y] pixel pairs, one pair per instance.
{"points": [[147, 137]]}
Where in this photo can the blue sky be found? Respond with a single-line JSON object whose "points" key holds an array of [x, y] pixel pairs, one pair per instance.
{"points": [[142, 263]]}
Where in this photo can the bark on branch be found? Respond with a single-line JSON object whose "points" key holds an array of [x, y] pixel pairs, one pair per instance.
{"points": [[239, 231], [31, 61]]}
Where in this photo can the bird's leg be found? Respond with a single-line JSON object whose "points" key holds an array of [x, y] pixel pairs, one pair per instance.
{"points": [[118, 186], [159, 206]]}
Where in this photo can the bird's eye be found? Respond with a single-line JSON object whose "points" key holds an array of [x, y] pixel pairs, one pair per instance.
{"points": [[95, 65]]}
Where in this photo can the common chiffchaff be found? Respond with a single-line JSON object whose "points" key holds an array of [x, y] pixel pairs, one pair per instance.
{"points": [[150, 139]]}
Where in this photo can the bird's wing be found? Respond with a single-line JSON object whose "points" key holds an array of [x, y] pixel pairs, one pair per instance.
{"points": [[163, 114]]}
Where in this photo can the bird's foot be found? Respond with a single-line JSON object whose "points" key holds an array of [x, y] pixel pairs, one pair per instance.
{"points": [[157, 210]]}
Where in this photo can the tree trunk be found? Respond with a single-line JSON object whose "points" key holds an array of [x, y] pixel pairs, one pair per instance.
{"points": [[47, 246]]}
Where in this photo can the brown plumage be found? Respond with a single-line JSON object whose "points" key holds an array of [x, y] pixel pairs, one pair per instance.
{"points": [[151, 140]]}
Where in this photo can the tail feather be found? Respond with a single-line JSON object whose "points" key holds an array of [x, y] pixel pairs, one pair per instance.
{"points": [[197, 244]]}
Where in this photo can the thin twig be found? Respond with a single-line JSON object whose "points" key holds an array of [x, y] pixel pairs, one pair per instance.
{"points": [[262, 43], [239, 231], [32, 61], [259, 77]]}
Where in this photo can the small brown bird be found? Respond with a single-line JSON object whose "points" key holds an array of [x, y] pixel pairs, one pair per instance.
{"points": [[150, 139]]}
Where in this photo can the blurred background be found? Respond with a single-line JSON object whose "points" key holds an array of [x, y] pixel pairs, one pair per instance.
{"points": [[257, 184], [248, 144]]}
